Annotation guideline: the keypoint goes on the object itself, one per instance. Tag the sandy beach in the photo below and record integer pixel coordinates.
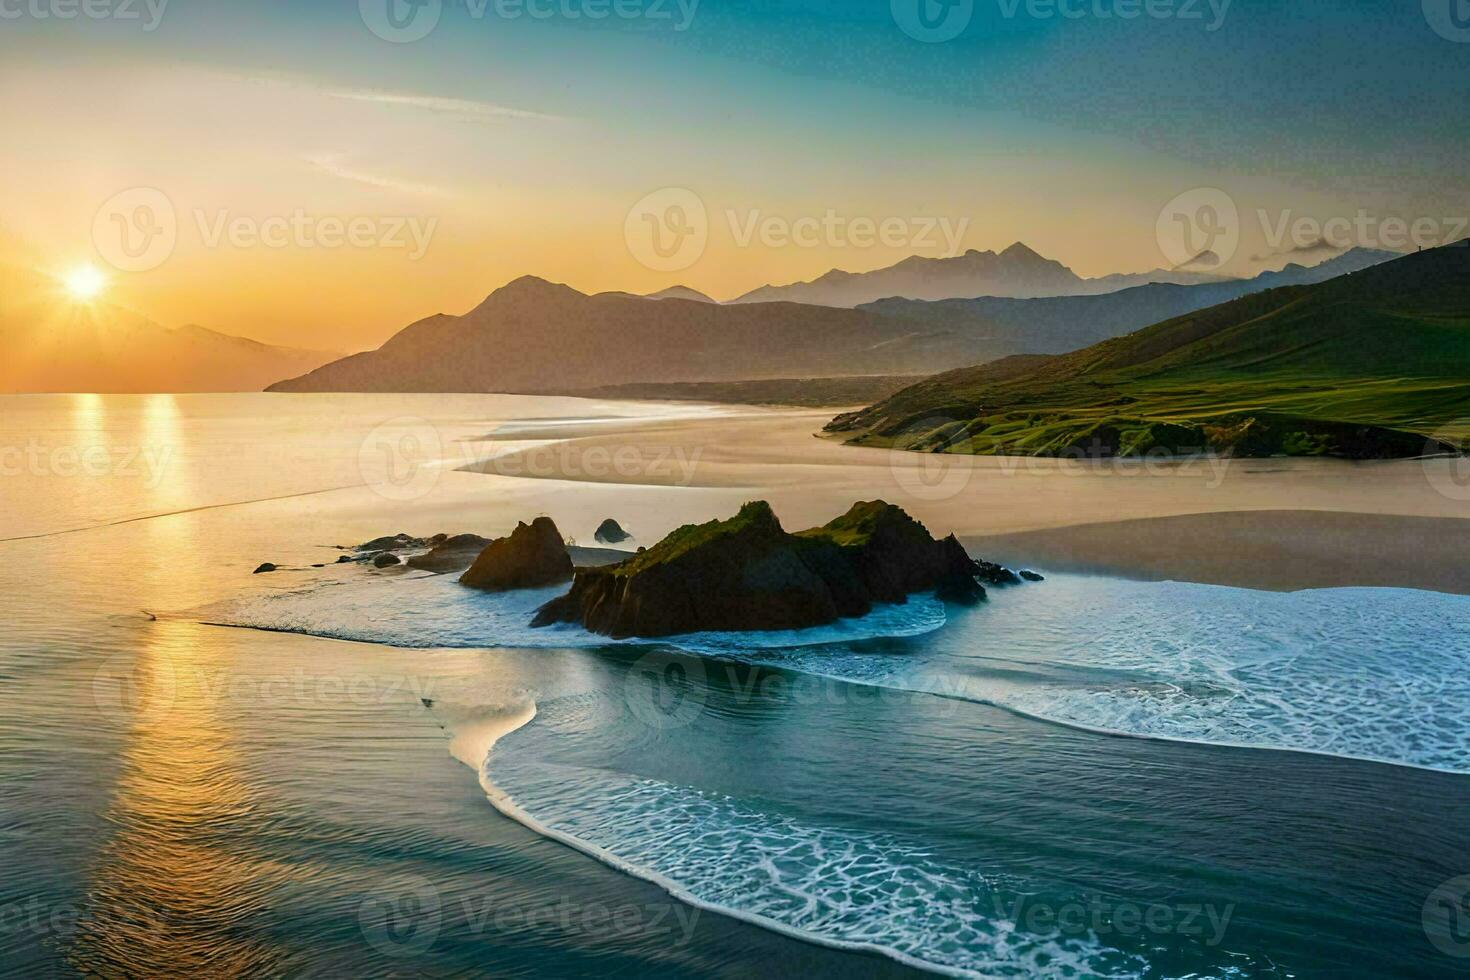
(1277, 524)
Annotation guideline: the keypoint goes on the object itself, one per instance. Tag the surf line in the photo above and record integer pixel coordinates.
(472, 741)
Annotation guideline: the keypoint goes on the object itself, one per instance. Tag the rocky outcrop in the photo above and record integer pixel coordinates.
(611, 532)
(450, 554)
(387, 560)
(747, 573)
(533, 556)
(264, 567)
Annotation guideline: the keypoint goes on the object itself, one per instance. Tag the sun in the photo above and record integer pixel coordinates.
(84, 283)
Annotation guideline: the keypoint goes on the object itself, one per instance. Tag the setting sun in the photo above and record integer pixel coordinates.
(84, 283)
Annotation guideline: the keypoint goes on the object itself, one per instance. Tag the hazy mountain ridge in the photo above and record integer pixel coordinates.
(1017, 272)
(1057, 324)
(536, 336)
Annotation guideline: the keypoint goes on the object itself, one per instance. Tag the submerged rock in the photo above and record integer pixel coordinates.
(394, 542)
(386, 559)
(611, 532)
(450, 554)
(264, 567)
(747, 573)
(532, 557)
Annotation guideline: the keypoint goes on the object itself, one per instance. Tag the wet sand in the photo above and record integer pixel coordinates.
(1276, 524)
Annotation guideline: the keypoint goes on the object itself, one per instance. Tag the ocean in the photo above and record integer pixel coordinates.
(340, 770)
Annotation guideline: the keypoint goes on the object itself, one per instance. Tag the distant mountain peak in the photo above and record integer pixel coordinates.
(680, 292)
(1020, 250)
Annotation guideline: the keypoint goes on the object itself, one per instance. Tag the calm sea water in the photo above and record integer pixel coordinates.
(389, 776)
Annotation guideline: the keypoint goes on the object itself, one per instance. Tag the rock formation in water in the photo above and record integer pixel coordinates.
(611, 532)
(533, 556)
(451, 554)
(747, 573)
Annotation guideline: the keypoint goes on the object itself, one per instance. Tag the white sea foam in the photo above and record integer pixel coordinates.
(834, 886)
(1366, 673)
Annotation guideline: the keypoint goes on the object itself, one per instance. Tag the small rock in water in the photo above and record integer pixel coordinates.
(264, 567)
(611, 532)
(1031, 576)
(384, 560)
(346, 560)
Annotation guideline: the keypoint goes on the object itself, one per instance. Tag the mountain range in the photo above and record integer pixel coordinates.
(536, 336)
(1057, 324)
(1016, 272)
(1368, 364)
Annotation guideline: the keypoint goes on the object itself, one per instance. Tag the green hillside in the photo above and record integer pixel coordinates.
(1367, 365)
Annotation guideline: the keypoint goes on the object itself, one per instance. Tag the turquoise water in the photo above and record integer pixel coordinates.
(926, 789)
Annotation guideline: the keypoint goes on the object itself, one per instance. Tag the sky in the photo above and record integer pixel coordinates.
(320, 175)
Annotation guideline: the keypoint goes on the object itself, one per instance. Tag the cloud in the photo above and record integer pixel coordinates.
(468, 110)
(1204, 260)
(1320, 247)
(328, 164)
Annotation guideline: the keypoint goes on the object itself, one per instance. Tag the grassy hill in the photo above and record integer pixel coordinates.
(1366, 365)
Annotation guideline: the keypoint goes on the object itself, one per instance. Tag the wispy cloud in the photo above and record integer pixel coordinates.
(1319, 247)
(466, 109)
(328, 164)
